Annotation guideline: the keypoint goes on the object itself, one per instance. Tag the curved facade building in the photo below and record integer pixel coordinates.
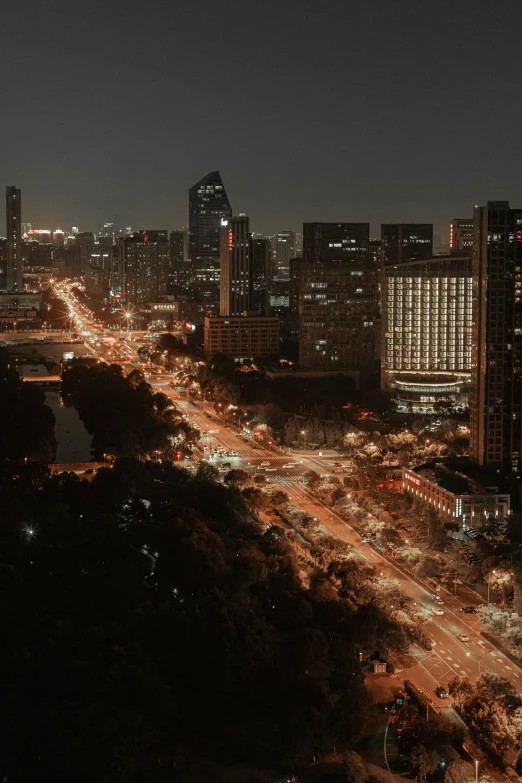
(427, 331)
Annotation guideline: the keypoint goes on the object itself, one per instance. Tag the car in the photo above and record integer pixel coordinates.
(271, 470)
(463, 637)
(289, 465)
(226, 465)
(438, 599)
(265, 464)
(468, 609)
(234, 453)
(441, 692)
(437, 611)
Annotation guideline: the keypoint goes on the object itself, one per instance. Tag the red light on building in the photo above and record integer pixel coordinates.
(413, 479)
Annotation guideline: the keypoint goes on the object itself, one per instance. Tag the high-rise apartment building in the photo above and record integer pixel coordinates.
(236, 283)
(426, 331)
(334, 297)
(496, 388)
(461, 237)
(179, 271)
(13, 228)
(144, 261)
(260, 260)
(406, 242)
(284, 251)
(208, 205)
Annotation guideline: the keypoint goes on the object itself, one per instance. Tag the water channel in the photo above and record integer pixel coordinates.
(73, 440)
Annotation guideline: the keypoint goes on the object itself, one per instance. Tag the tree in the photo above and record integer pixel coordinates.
(237, 478)
(279, 498)
(255, 498)
(423, 760)
(459, 771)
(354, 768)
(460, 689)
(313, 480)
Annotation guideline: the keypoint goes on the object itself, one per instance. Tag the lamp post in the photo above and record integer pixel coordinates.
(303, 432)
(479, 659)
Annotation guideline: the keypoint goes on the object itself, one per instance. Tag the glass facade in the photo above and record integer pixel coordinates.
(208, 205)
(406, 242)
(496, 399)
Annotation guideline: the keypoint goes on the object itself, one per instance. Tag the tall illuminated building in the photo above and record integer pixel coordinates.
(285, 250)
(140, 271)
(260, 259)
(334, 298)
(461, 236)
(208, 205)
(13, 228)
(406, 242)
(426, 331)
(236, 280)
(496, 391)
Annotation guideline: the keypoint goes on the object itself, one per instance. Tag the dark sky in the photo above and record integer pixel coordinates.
(369, 111)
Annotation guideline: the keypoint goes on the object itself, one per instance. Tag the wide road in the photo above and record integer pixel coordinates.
(450, 654)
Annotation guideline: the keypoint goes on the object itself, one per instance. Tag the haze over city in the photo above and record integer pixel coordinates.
(351, 111)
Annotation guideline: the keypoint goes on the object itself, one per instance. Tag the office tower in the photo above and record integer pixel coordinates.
(298, 244)
(58, 237)
(335, 241)
(208, 205)
(406, 242)
(145, 264)
(284, 251)
(461, 237)
(13, 228)
(242, 338)
(426, 331)
(496, 379)
(333, 292)
(236, 282)
(260, 260)
(179, 271)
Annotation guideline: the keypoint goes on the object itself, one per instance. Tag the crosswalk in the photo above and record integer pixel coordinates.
(286, 481)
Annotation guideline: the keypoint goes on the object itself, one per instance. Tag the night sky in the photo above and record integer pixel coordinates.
(370, 111)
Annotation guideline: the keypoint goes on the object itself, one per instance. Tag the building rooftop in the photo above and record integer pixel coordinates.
(454, 481)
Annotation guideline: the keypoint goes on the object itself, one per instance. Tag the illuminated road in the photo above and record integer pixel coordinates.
(450, 655)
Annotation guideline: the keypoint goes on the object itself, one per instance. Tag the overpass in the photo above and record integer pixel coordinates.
(77, 467)
(44, 380)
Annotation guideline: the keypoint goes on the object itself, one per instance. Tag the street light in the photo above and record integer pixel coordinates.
(479, 659)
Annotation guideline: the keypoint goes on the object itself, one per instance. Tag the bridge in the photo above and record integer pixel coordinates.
(77, 467)
(44, 380)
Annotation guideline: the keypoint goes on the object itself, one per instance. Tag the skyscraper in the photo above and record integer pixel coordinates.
(208, 205)
(496, 389)
(178, 273)
(335, 241)
(334, 294)
(260, 260)
(13, 227)
(406, 242)
(461, 236)
(285, 250)
(141, 273)
(236, 283)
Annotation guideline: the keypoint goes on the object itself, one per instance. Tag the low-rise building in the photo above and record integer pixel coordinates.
(455, 496)
(243, 337)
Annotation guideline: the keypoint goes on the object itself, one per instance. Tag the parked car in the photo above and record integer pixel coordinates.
(441, 692)
(468, 609)
(437, 611)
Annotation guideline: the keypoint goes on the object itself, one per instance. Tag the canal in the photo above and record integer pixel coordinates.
(73, 440)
